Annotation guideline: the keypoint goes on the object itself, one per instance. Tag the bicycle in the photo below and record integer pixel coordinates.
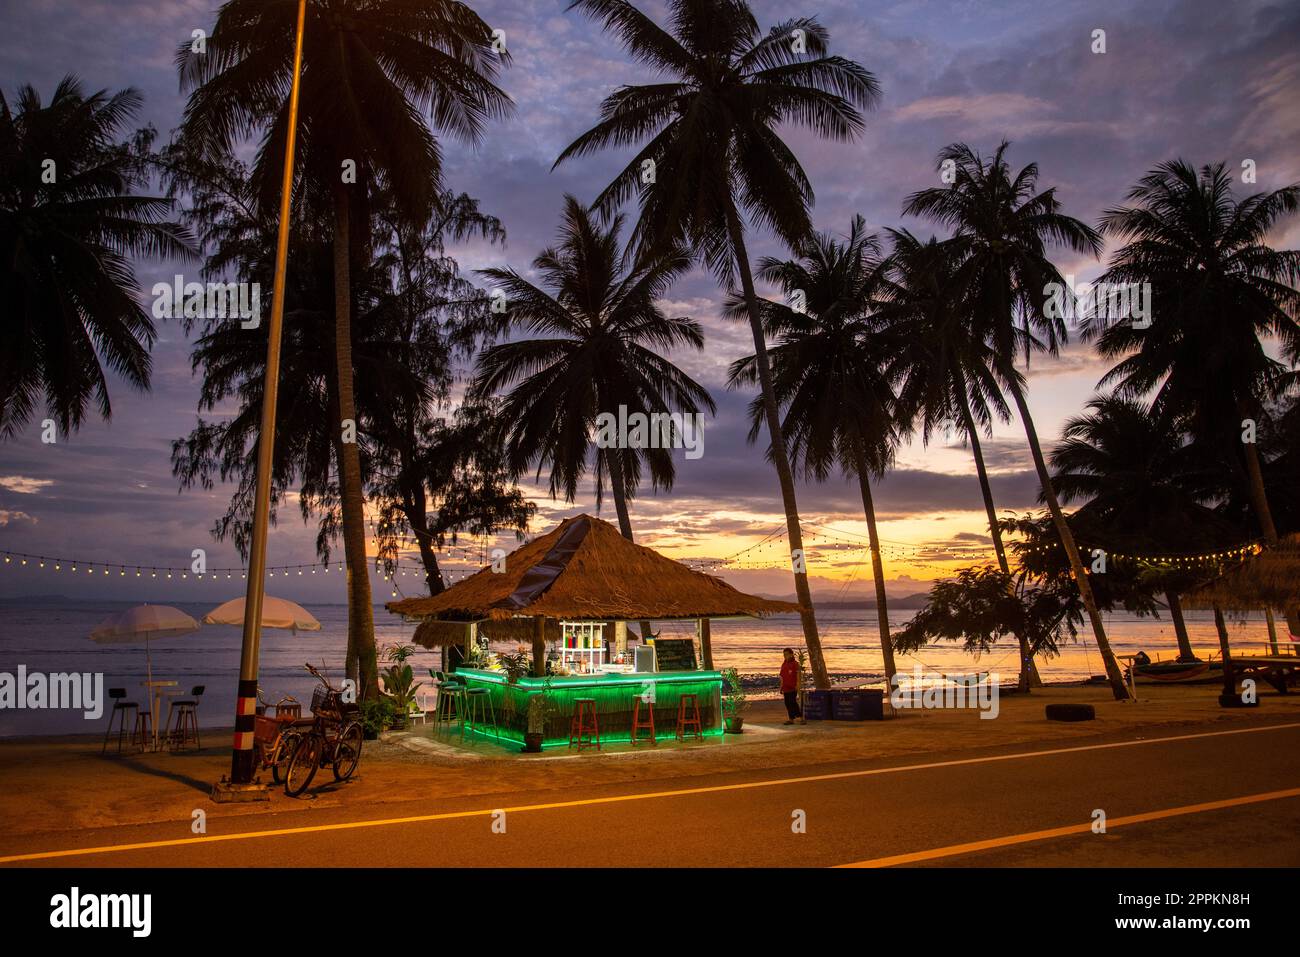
(276, 733)
(334, 739)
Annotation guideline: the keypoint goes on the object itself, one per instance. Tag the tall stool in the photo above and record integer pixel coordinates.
(688, 721)
(120, 708)
(638, 723)
(143, 735)
(478, 702)
(450, 705)
(186, 723)
(582, 732)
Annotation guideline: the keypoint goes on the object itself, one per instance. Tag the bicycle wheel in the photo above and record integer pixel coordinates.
(347, 752)
(303, 764)
(283, 754)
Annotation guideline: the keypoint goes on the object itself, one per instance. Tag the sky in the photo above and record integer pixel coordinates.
(1201, 80)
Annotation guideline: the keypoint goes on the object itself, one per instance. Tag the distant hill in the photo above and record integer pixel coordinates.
(906, 603)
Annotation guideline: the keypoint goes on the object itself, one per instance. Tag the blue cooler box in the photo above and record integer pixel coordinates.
(858, 704)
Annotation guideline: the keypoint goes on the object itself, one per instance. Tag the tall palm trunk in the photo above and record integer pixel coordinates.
(1185, 652)
(1028, 677)
(780, 456)
(1113, 675)
(877, 567)
(362, 664)
(614, 465)
(1229, 679)
(1259, 499)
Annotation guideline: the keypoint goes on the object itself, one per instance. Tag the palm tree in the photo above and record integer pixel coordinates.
(1217, 290)
(712, 148)
(434, 478)
(372, 70)
(1143, 483)
(69, 226)
(945, 369)
(830, 375)
(600, 347)
(1002, 227)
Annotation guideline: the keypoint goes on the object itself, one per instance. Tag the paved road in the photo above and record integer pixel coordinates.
(1201, 796)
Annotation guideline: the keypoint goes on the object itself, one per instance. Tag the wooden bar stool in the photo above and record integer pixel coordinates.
(143, 735)
(638, 724)
(582, 733)
(688, 721)
(120, 708)
(185, 727)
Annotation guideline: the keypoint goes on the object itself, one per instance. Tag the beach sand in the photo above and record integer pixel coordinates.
(63, 784)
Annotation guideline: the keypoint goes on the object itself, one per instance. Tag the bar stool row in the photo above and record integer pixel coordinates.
(584, 727)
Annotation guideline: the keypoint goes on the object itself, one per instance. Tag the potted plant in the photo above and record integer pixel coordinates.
(400, 686)
(734, 702)
(515, 665)
(539, 709)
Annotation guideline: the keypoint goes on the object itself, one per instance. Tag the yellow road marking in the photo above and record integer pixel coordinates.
(619, 798)
(955, 849)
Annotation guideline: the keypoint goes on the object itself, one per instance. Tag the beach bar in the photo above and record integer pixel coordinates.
(580, 591)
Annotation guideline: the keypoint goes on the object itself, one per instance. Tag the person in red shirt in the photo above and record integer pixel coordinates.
(790, 686)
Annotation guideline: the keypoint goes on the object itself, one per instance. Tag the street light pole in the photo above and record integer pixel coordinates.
(242, 757)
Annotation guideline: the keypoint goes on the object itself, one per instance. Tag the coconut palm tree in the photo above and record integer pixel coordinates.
(599, 347)
(944, 367)
(830, 373)
(1217, 291)
(69, 227)
(1002, 226)
(374, 73)
(1143, 485)
(711, 155)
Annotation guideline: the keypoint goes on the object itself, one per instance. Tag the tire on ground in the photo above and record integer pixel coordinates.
(1071, 712)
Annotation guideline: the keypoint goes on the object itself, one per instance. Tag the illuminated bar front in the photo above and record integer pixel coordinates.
(614, 694)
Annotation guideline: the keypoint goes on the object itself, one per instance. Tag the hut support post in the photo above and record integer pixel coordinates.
(539, 646)
(706, 642)
(1272, 631)
(1229, 679)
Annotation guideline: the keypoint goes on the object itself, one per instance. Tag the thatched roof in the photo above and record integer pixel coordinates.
(584, 570)
(433, 633)
(1269, 579)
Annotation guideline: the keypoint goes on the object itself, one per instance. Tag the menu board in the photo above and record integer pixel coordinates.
(675, 654)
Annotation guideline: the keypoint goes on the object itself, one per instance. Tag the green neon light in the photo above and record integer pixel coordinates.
(614, 698)
(635, 677)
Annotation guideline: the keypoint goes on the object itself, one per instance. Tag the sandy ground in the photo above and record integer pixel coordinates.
(64, 784)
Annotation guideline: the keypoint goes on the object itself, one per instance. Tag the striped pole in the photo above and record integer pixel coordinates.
(242, 757)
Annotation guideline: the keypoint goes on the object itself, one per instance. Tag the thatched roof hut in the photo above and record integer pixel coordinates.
(1268, 579)
(584, 570)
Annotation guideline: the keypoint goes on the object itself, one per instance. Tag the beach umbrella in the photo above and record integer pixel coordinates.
(276, 613)
(143, 623)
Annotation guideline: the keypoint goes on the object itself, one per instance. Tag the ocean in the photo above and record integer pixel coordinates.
(48, 635)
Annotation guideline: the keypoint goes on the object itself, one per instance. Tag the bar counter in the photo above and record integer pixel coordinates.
(614, 694)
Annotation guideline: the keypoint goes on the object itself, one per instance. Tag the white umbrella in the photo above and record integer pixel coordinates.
(143, 623)
(276, 613)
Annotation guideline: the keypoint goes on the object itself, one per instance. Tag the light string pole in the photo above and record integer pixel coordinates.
(242, 755)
